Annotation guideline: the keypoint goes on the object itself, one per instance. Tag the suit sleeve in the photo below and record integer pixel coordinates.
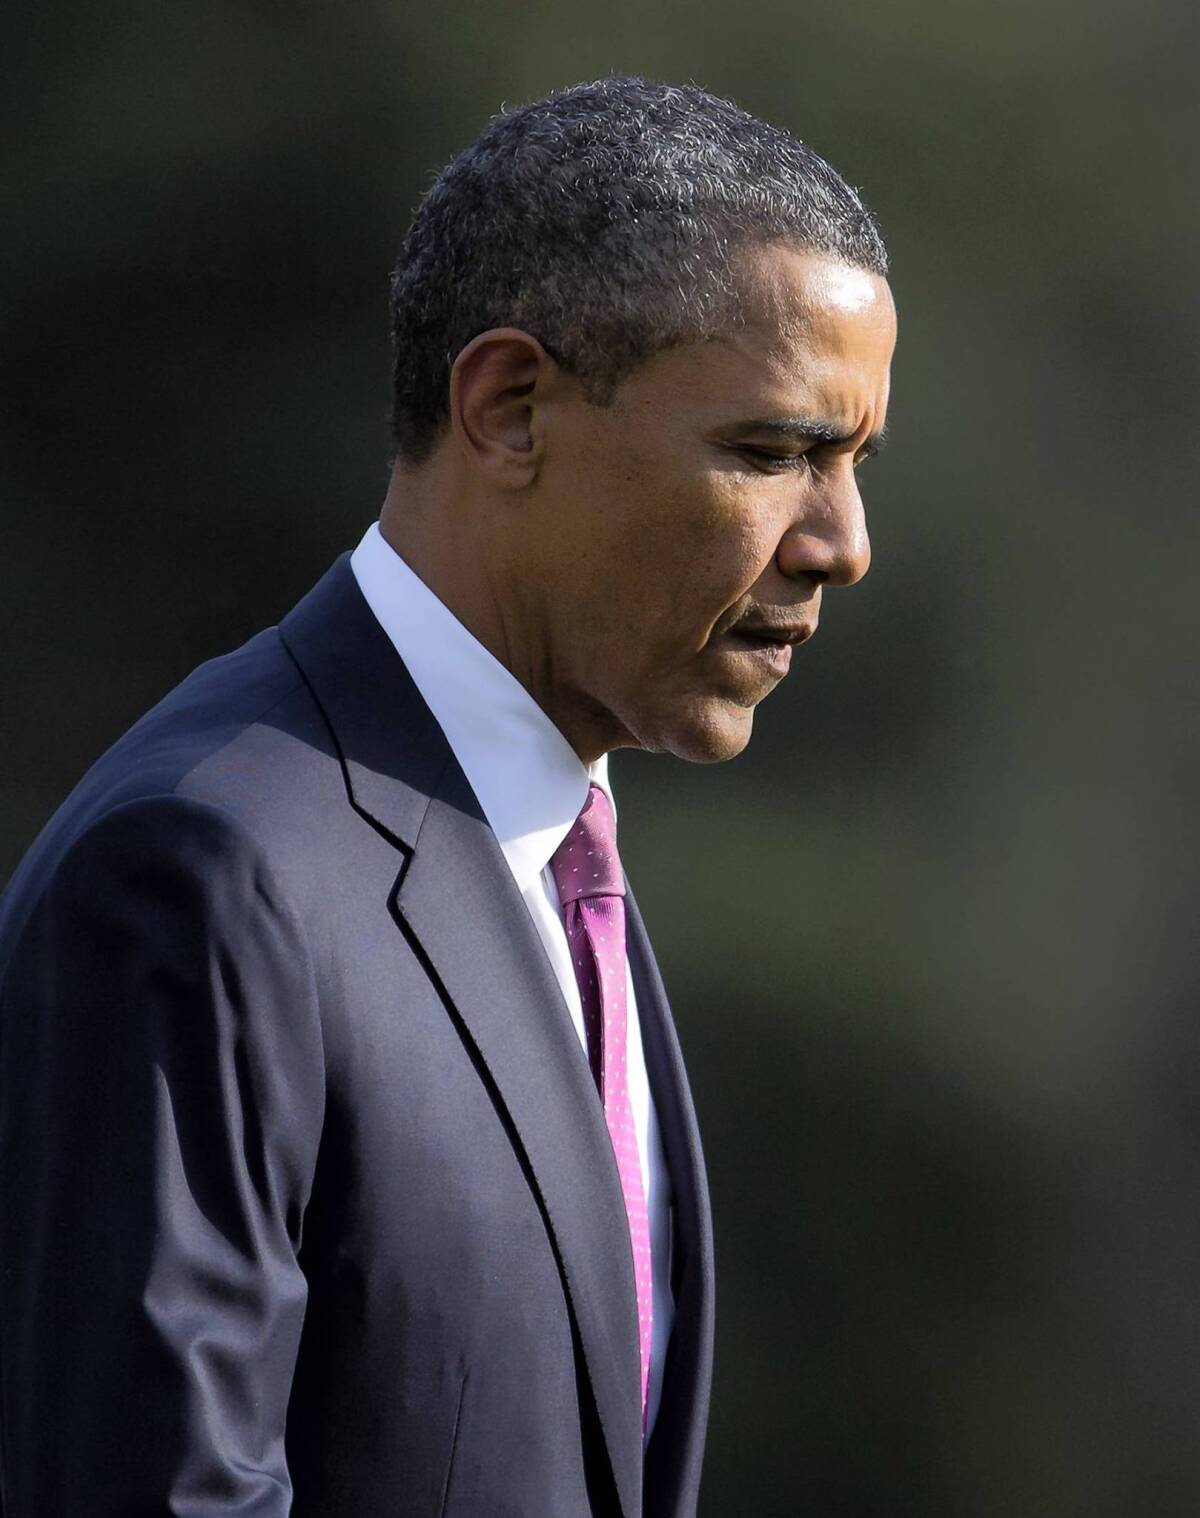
(161, 1099)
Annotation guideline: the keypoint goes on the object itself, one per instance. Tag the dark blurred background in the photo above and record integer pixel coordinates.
(935, 965)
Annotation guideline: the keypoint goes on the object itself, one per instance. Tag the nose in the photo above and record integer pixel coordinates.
(828, 539)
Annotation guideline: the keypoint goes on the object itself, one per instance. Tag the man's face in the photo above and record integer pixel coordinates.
(689, 528)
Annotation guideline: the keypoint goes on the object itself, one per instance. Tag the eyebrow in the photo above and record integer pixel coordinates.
(805, 429)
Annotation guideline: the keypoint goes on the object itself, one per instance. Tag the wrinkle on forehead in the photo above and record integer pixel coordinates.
(818, 333)
(795, 351)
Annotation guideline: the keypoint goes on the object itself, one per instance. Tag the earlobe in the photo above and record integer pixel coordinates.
(494, 392)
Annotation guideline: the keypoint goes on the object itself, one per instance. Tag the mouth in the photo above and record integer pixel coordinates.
(770, 647)
(773, 651)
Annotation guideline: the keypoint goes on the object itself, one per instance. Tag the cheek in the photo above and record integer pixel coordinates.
(725, 544)
(674, 550)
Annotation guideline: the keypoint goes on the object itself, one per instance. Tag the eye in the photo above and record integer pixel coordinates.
(771, 461)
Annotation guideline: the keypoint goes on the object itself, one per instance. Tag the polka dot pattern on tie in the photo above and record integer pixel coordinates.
(591, 887)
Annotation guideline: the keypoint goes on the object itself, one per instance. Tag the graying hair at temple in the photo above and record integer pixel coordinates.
(604, 220)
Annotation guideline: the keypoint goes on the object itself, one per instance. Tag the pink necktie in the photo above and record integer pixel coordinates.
(587, 871)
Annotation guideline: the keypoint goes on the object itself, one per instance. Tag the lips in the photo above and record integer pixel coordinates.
(773, 651)
(759, 633)
(768, 644)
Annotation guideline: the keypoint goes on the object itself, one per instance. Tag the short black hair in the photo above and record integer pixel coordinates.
(603, 220)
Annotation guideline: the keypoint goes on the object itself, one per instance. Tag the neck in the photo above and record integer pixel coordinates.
(448, 539)
(445, 548)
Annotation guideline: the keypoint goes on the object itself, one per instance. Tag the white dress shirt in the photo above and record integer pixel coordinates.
(531, 786)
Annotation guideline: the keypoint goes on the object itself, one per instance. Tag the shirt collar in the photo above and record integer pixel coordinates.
(528, 780)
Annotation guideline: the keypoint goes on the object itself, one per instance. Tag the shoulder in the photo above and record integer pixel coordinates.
(158, 882)
(202, 782)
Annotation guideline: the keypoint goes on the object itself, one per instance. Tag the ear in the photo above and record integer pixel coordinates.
(494, 389)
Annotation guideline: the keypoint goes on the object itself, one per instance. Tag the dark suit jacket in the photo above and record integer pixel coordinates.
(306, 1197)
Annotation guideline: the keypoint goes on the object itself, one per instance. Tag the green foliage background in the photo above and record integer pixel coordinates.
(931, 940)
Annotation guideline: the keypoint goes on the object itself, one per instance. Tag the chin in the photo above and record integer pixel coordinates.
(706, 733)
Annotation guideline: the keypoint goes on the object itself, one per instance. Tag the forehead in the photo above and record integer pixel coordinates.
(813, 323)
(787, 294)
(814, 338)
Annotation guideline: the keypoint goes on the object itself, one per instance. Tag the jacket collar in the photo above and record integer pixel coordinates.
(392, 751)
(529, 782)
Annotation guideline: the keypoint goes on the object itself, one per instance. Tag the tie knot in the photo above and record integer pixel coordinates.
(586, 862)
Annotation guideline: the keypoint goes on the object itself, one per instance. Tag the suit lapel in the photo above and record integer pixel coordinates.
(500, 982)
(457, 899)
(676, 1448)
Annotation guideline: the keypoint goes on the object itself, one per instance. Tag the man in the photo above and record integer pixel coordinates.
(348, 1160)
